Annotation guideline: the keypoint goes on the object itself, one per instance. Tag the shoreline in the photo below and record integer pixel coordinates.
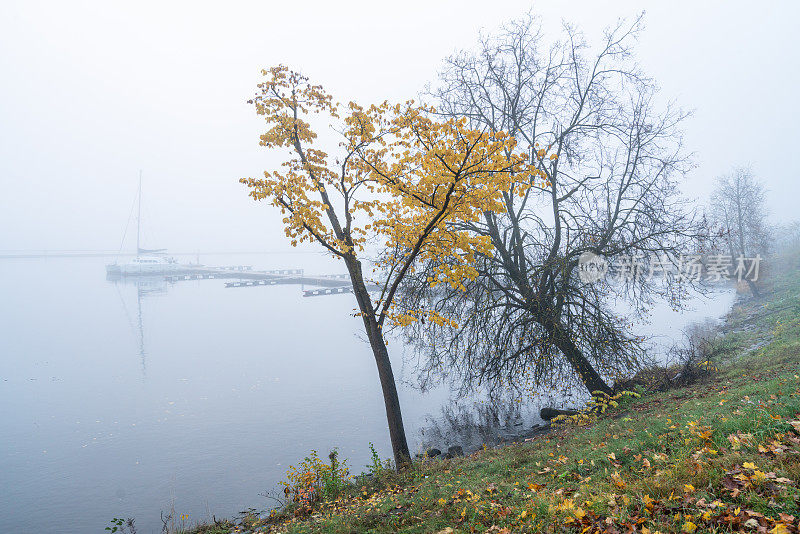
(745, 323)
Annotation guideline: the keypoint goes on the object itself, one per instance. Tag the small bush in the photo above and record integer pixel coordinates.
(123, 526)
(313, 480)
(597, 405)
(376, 466)
(693, 357)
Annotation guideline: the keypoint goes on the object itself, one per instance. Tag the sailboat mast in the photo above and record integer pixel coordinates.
(139, 216)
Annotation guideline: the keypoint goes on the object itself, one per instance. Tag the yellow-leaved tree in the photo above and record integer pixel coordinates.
(401, 179)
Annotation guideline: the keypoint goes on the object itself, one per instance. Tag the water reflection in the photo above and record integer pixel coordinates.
(501, 418)
(145, 286)
(477, 423)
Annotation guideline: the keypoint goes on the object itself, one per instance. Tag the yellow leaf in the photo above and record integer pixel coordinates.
(567, 505)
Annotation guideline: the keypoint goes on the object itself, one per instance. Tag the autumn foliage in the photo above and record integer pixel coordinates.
(399, 190)
(402, 177)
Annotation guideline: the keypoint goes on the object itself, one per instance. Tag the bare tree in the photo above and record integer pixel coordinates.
(738, 209)
(787, 236)
(612, 161)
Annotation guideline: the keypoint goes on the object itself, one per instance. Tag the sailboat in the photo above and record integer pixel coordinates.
(147, 261)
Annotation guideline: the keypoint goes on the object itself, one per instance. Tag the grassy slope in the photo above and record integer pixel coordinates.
(717, 456)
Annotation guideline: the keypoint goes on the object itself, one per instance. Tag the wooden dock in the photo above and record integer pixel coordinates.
(251, 283)
(267, 278)
(245, 276)
(327, 291)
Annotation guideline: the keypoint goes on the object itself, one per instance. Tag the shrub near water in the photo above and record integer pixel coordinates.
(313, 480)
(597, 406)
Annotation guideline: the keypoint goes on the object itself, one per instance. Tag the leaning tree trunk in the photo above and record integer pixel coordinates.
(583, 368)
(394, 417)
(753, 288)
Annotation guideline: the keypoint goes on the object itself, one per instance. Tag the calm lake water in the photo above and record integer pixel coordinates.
(125, 399)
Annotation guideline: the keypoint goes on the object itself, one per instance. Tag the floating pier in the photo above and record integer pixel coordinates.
(251, 283)
(246, 276)
(327, 291)
(287, 276)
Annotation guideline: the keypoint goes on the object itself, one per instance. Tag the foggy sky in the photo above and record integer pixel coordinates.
(92, 92)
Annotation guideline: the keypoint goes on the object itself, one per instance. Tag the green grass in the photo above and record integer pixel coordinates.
(717, 456)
